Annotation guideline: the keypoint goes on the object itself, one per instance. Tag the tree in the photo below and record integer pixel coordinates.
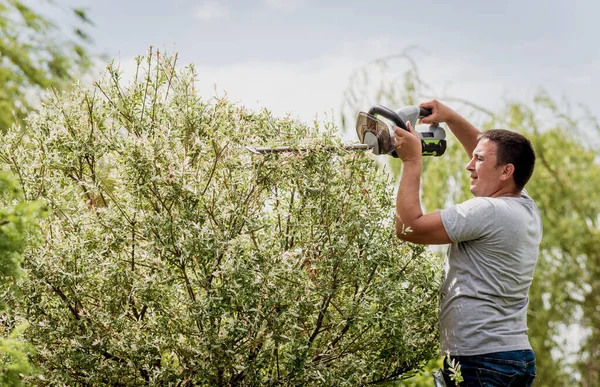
(564, 294)
(35, 55)
(16, 219)
(172, 255)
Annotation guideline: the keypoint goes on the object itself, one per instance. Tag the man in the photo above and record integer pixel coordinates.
(494, 243)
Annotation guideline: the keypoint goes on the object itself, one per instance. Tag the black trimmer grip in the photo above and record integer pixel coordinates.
(433, 147)
(379, 110)
(424, 112)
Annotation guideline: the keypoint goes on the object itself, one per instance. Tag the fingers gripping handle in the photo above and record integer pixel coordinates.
(424, 112)
(433, 141)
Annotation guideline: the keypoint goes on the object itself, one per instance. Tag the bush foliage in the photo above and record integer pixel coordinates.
(173, 256)
(17, 220)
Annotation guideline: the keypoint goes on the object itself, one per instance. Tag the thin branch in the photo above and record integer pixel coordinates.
(324, 307)
(60, 293)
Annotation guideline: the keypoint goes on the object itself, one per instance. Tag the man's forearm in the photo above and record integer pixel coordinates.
(465, 132)
(408, 203)
(411, 224)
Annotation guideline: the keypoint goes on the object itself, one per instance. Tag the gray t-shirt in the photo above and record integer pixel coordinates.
(487, 274)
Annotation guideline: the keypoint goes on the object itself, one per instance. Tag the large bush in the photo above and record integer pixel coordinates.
(173, 256)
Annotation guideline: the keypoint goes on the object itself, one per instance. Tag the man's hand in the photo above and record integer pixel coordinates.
(465, 132)
(439, 112)
(407, 144)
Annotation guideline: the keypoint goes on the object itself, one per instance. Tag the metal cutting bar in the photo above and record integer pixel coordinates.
(284, 149)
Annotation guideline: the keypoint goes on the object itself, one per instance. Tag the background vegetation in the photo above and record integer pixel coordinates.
(35, 54)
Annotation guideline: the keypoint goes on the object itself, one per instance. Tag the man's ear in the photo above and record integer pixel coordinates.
(507, 171)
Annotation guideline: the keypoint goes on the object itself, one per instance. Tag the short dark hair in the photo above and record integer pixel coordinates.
(515, 149)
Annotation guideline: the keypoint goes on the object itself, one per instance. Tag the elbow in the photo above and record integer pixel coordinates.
(399, 235)
(403, 231)
(402, 237)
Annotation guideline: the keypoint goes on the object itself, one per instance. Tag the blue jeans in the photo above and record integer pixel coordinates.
(502, 369)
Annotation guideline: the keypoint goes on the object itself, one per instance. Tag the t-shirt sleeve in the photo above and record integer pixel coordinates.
(469, 220)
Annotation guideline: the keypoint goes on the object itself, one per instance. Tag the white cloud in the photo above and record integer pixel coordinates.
(211, 10)
(307, 90)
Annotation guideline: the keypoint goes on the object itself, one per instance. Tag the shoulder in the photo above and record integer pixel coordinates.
(472, 206)
(469, 220)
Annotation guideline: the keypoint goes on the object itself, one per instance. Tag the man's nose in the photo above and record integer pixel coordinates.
(469, 165)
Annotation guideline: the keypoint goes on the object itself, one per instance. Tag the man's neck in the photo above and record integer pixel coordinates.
(507, 193)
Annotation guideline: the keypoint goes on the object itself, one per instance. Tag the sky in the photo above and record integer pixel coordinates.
(296, 56)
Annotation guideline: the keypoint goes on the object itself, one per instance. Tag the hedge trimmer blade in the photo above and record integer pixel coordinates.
(372, 132)
(288, 149)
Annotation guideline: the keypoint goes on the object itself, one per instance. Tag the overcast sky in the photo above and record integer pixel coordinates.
(295, 56)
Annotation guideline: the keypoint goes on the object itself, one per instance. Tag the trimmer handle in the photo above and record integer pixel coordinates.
(379, 110)
(393, 116)
(424, 112)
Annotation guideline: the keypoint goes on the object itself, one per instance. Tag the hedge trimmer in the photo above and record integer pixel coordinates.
(375, 134)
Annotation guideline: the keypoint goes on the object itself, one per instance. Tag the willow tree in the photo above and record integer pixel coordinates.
(174, 256)
(563, 311)
(36, 54)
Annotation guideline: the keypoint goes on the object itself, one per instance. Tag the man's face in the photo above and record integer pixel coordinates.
(485, 175)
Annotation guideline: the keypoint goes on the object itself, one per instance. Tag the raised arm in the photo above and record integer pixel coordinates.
(411, 224)
(464, 131)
